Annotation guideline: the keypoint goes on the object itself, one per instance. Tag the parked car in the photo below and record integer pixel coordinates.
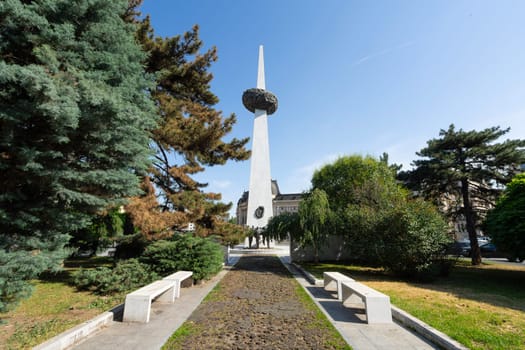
(459, 248)
(483, 240)
(515, 258)
(83, 253)
(489, 250)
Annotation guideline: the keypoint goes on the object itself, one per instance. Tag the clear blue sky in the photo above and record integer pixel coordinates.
(362, 77)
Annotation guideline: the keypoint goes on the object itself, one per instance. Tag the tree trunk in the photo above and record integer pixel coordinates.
(316, 253)
(471, 225)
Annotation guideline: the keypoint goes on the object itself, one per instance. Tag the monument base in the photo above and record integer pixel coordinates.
(262, 245)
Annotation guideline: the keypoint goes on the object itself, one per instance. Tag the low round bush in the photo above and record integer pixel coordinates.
(184, 252)
(413, 237)
(407, 239)
(126, 276)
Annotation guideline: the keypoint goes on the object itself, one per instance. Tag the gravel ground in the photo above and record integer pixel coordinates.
(258, 305)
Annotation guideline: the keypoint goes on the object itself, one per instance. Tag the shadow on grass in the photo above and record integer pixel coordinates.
(92, 262)
(492, 284)
(71, 265)
(63, 276)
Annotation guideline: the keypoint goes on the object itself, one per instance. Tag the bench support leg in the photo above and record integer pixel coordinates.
(177, 288)
(347, 296)
(137, 310)
(330, 284)
(168, 297)
(334, 285)
(378, 310)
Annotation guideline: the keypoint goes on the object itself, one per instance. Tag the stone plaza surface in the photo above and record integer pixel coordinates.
(166, 318)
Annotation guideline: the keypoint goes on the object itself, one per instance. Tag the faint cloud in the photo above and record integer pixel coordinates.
(381, 53)
(403, 153)
(300, 178)
(514, 121)
(310, 168)
(220, 184)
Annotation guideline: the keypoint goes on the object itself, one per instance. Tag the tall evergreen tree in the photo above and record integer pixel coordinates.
(470, 168)
(189, 136)
(73, 127)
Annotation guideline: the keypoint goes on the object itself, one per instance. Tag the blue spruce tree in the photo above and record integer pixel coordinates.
(74, 121)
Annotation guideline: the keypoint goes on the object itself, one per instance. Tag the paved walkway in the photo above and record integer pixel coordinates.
(166, 318)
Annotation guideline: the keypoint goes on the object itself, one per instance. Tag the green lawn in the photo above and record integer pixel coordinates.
(54, 307)
(481, 307)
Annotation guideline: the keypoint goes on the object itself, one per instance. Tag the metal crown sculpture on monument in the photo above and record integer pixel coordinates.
(256, 98)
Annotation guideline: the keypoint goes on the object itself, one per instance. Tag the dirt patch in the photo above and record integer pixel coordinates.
(257, 307)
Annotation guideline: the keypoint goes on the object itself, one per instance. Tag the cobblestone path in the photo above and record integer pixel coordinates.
(258, 305)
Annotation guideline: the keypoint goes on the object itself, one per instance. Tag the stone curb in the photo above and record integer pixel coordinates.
(76, 334)
(405, 319)
(309, 277)
(430, 333)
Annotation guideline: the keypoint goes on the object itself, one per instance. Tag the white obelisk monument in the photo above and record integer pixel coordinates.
(261, 103)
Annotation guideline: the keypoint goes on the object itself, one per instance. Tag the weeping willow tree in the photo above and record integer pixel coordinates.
(314, 215)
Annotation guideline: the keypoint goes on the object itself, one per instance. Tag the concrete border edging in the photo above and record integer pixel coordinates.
(80, 332)
(309, 277)
(430, 333)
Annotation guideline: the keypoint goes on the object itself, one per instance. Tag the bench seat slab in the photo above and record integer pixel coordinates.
(178, 277)
(332, 282)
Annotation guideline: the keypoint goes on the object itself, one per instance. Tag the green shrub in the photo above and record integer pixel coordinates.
(505, 223)
(407, 239)
(413, 237)
(163, 256)
(185, 252)
(126, 276)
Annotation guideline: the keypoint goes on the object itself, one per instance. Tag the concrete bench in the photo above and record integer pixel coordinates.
(332, 282)
(178, 277)
(137, 306)
(377, 304)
